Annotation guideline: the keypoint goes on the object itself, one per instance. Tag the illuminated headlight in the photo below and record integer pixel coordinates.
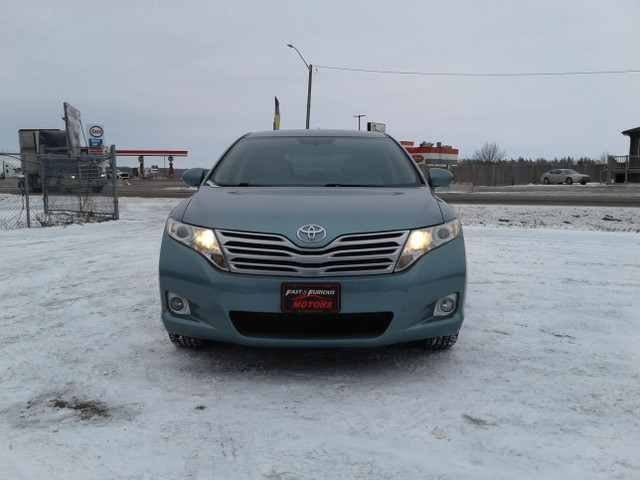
(424, 240)
(202, 240)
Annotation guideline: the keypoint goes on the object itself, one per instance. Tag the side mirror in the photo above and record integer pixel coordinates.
(194, 176)
(439, 177)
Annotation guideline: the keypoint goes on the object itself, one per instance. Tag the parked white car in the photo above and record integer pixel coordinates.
(564, 175)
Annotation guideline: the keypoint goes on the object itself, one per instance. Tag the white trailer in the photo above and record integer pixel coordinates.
(11, 169)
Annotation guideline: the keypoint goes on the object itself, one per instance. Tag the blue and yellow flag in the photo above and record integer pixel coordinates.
(276, 116)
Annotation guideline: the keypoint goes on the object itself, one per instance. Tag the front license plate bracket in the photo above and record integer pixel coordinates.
(310, 298)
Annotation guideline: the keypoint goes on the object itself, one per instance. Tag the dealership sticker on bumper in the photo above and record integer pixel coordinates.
(310, 298)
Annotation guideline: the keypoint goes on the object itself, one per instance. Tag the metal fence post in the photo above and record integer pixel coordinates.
(114, 178)
(25, 192)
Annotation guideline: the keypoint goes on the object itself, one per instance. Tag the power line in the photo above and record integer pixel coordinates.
(454, 74)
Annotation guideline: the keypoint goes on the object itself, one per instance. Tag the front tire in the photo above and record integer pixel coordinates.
(546, 181)
(185, 342)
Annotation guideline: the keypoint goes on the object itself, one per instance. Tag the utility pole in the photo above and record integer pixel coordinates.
(310, 68)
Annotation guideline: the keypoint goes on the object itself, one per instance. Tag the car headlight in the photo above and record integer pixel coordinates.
(202, 240)
(424, 240)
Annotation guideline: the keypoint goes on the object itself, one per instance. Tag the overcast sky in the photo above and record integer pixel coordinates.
(186, 75)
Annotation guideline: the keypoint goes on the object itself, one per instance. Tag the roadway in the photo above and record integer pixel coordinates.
(592, 194)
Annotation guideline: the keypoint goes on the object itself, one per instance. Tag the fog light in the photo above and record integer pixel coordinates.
(178, 304)
(446, 305)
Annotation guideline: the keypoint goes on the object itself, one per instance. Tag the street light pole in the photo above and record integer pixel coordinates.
(310, 68)
(359, 117)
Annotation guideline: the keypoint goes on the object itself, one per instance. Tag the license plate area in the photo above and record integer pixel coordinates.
(310, 298)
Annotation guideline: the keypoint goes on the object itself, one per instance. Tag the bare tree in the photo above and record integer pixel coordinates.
(489, 153)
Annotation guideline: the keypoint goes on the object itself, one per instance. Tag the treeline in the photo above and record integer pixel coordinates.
(564, 161)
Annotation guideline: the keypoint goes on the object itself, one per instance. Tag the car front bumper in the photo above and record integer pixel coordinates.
(217, 299)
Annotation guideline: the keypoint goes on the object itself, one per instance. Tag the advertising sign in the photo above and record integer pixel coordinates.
(95, 131)
(95, 136)
(298, 298)
(376, 127)
(74, 128)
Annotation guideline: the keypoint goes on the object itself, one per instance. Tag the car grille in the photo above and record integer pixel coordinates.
(270, 254)
(89, 173)
(316, 325)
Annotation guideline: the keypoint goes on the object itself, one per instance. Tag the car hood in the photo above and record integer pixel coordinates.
(337, 210)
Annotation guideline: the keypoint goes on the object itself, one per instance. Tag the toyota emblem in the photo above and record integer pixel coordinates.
(311, 233)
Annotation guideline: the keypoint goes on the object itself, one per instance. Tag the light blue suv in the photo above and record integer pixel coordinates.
(313, 238)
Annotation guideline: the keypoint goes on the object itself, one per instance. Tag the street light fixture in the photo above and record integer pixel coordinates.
(310, 68)
(359, 117)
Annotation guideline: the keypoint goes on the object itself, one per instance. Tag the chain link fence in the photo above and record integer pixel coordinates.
(45, 190)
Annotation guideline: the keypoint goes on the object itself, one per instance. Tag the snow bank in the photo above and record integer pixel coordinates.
(609, 219)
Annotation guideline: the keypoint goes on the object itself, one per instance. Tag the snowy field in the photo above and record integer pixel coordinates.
(544, 382)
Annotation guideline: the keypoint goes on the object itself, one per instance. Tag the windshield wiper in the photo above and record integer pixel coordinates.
(241, 184)
(349, 185)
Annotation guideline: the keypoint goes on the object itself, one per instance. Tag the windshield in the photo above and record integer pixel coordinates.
(315, 161)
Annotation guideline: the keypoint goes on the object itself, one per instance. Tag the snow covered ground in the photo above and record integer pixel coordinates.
(544, 382)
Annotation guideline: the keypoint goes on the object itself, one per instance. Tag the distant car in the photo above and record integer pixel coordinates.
(313, 238)
(119, 174)
(564, 175)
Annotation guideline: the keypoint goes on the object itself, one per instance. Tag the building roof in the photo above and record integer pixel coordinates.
(633, 131)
